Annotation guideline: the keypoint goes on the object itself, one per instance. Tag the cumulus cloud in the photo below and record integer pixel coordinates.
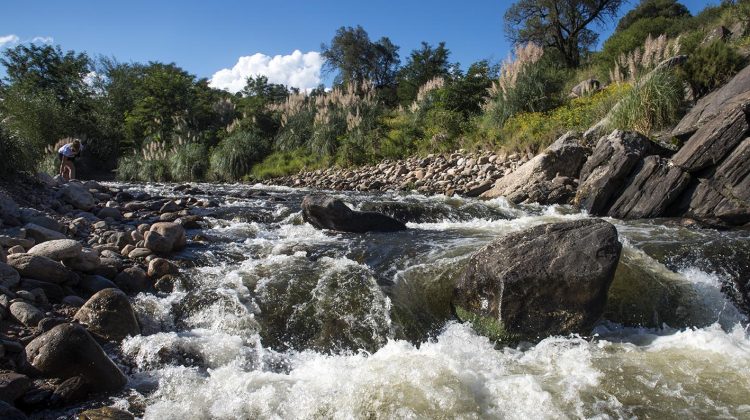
(8, 40)
(294, 70)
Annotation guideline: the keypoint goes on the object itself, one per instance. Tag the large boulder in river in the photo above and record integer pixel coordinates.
(325, 212)
(68, 350)
(38, 267)
(78, 196)
(58, 249)
(109, 315)
(547, 178)
(605, 172)
(165, 237)
(547, 280)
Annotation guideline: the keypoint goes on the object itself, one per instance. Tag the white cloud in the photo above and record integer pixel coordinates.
(43, 39)
(294, 70)
(8, 40)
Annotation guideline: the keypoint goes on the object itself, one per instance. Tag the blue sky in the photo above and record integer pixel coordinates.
(206, 36)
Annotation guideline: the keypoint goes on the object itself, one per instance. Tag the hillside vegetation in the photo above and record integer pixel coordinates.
(155, 121)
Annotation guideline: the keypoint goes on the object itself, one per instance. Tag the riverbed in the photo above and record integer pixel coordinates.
(276, 319)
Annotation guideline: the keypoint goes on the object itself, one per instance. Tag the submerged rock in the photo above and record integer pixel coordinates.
(326, 212)
(67, 350)
(547, 280)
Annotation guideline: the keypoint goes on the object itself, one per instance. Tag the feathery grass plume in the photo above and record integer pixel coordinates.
(629, 67)
(652, 103)
(523, 56)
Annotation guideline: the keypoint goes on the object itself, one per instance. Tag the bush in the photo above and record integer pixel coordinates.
(154, 170)
(189, 162)
(710, 66)
(287, 163)
(18, 155)
(532, 132)
(536, 85)
(127, 168)
(652, 103)
(235, 156)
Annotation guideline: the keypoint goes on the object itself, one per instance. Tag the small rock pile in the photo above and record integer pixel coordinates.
(463, 173)
(67, 266)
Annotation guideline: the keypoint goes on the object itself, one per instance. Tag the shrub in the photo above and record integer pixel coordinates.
(532, 82)
(287, 163)
(710, 66)
(234, 156)
(127, 168)
(531, 132)
(189, 162)
(18, 155)
(652, 103)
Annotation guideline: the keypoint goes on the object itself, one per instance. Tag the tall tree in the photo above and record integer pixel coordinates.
(424, 64)
(649, 9)
(356, 58)
(560, 25)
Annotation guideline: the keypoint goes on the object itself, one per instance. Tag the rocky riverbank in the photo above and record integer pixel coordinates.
(464, 173)
(70, 254)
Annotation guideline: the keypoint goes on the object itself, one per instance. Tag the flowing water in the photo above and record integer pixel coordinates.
(280, 320)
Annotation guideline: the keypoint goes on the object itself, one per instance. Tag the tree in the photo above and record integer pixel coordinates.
(560, 25)
(424, 64)
(649, 9)
(466, 93)
(357, 59)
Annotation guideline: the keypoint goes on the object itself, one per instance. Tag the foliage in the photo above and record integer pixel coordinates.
(654, 102)
(631, 66)
(559, 26)
(533, 131)
(424, 64)
(16, 154)
(651, 9)
(357, 59)
(287, 163)
(710, 66)
(234, 156)
(531, 82)
(189, 162)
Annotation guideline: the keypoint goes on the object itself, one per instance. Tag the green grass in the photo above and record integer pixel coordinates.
(288, 163)
(651, 104)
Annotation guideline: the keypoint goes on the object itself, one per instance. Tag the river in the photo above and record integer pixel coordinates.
(279, 320)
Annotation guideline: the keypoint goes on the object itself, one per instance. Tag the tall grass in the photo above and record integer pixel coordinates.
(234, 157)
(288, 163)
(652, 103)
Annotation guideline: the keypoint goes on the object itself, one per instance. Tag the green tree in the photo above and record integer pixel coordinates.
(559, 25)
(356, 58)
(424, 64)
(649, 9)
(466, 93)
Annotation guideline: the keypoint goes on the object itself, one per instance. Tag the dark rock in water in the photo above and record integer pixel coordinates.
(716, 139)
(547, 280)
(605, 172)
(725, 195)
(66, 351)
(654, 187)
(105, 413)
(538, 180)
(326, 212)
(8, 412)
(108, 314)
(709, 106)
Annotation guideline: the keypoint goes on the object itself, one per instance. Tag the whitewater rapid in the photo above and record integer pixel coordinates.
(280, 320)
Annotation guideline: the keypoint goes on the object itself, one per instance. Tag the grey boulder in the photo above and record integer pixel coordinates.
(547, 280)
(58, 249)
(109, 315)
(68, 350)
(39, 267)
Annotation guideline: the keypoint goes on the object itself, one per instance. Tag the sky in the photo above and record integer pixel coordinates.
(229, 40)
